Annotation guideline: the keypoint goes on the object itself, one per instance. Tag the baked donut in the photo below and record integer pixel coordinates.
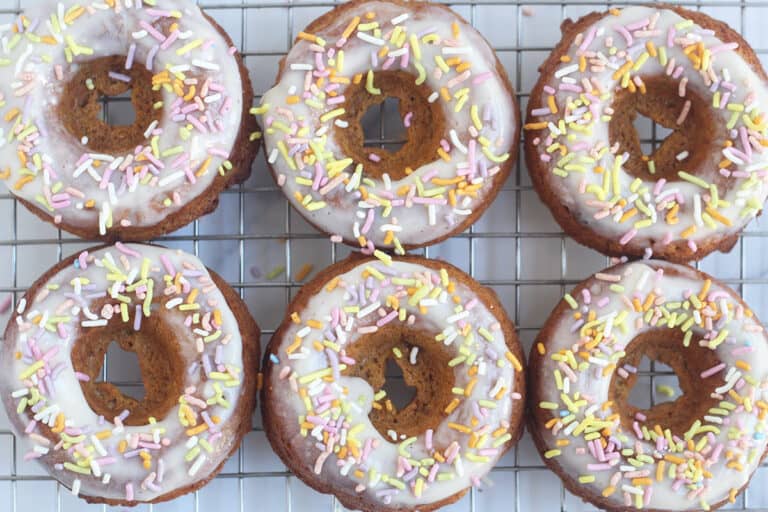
(694, 453)
(685, 71)
(190, 93)
(324, 402)
(456, 103)
(198, 350)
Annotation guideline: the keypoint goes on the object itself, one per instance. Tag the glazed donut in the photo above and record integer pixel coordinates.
(325, 407)
(188, 87)
(694, 453)
(197, 348)
(688, 73)
(456, 103)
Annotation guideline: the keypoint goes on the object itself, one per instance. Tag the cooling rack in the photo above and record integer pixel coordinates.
(265, 251)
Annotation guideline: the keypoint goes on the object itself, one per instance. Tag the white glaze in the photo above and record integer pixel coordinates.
(488, 354)
(66, 312)
(31, 68)
(741, 193)
(745, 340)
(340, 210)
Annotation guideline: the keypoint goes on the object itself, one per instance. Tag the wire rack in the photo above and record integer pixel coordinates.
(259, 245)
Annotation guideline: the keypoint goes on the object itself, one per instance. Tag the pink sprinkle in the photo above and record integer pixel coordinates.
(625, 33)
(692, 246)
(482, 77)
(168, 265)
(6, 304)
(629, 235)
(124, 249)
(588, 40)
(152, 31)
(428, 439)
(129, 57)
(368, 222)
(137, 319)
(373, 157)
(82, 260)
(407, 119)
(82, 377)
(129, 491)
(712, 371)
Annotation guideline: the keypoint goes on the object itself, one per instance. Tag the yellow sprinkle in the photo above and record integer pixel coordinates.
(369, 84)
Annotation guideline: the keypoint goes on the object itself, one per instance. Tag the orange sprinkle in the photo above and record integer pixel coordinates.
(718, 216)
(351, 27)
(452, 406)
(688, 232)
(459, 427)
(623, 69)
(674, 459)
(535, 126)
(204, 168)
(197, 430)
(22, 182)
(12, 114)
(303, 272)
(551, 104)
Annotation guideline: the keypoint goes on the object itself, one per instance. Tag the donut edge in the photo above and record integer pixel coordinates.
(498, 180)
(678, 250)
(282, 447)
(536, 416)
(249, 332)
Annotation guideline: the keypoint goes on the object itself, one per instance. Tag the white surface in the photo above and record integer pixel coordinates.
(515, 247)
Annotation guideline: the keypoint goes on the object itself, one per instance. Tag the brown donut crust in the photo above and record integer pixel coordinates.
(537, 417)
(505, 168)
(269, 406)
(242, 155)
(677, 251)
(246, 401)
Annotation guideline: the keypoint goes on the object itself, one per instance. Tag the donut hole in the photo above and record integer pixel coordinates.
(633, 397)
(415, 393)
(678, 141)
(102, 86)
(357, 135)
(383, 127)
(117, 110)
(398, 392)
(160, 364)
(122, 369)
(656, 383)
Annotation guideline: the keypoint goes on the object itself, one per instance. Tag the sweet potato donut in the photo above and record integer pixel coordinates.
(190, 93)
(456, 103)
(198, 349)
(325, 407)
(694, 453)
(696, 191)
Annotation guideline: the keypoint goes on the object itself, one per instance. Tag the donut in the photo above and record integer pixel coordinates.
(190, 93)
(324, 401)
(696, 452)
(198, 350)
(455, 101)
(689, 73)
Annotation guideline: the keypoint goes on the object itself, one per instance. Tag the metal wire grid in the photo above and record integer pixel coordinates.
(24, 239)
